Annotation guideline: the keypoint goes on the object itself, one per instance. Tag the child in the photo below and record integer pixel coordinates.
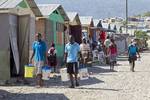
(52, 58)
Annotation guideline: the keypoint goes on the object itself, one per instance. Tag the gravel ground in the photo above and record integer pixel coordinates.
(102, 85)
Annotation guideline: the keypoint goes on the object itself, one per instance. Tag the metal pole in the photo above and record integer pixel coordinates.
(126, 16)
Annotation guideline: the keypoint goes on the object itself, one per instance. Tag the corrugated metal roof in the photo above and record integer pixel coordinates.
(2, 1)
(34, 8)
(47, 9)
(9, 3)
(86, 20)
(72, 15)
(15, 3)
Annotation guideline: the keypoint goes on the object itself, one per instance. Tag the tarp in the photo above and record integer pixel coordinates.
(23, 41)
(4, 48)
(121, 46)
(13, 40)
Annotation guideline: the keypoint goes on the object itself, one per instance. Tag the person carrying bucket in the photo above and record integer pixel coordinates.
(39, 54)
(71, 58)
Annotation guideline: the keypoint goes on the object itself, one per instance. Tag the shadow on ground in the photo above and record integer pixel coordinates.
(98, 89)
(90, 81)
(100, 69)
(56, 82)
(4, 95)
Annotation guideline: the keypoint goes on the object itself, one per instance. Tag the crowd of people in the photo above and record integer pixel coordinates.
(74, 53)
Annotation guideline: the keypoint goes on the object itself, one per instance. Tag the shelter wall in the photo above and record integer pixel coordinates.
(121, 45)
(24, 40)
(4, 47)
(76, 32)
(56, 17)
(41, 27)
(23, 4)
(45, 26)
(49, 32)
(58, 31)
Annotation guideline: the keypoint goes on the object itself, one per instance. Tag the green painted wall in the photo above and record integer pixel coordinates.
(57, 18)
(23, 4)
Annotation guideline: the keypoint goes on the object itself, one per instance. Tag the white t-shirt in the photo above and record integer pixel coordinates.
(84, 48)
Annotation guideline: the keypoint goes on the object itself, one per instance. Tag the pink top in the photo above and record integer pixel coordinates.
(112, 49)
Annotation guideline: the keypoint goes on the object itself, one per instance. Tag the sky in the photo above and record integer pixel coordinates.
(102, 8)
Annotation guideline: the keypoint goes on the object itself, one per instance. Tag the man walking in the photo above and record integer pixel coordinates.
(71, 58)
(39, 54)
(132, 52)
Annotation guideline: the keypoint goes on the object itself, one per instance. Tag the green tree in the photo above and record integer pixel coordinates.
(147, 14)
(141, 34)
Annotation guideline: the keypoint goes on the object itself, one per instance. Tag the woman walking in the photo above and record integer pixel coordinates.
(112, 51)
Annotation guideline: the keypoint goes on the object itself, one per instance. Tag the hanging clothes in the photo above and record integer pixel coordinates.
(102, 36)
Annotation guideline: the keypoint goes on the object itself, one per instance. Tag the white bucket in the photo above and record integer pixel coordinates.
(64, 74)
(83, 73)
(46, 73)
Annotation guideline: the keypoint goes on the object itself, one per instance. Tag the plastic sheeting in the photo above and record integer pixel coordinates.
(13, 40)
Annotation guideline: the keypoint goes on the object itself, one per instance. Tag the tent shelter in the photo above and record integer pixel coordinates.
(75, 26)
(121, 42)
(16, 25)
(87, 22)
(55, 17)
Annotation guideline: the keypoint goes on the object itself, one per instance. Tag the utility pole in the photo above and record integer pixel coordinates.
(126, 16)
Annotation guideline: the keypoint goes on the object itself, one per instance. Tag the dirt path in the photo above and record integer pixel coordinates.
(102, 85)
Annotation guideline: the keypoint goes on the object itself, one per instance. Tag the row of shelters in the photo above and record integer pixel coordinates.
(17, 25)
(21, 19)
